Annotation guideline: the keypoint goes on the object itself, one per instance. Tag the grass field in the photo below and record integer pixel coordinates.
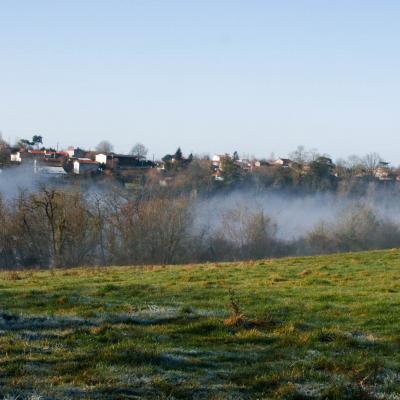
(297, 328)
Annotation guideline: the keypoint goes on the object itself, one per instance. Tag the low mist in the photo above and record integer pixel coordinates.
(295, 215)
(23, 178)
(106, 225)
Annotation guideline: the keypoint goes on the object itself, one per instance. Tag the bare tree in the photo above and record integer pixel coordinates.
(4, 151)
(49, 202)
(98, 214)
(105, 147)
(32, 236)
(251, 233)
(7, 237)
(139, 150)
(370, 163)
(350, 167)
(164, 227)
(300, 156)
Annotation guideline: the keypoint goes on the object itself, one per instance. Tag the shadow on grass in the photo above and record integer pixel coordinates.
(14, 322)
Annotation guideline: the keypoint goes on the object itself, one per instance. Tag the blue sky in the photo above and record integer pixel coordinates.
(209, 76)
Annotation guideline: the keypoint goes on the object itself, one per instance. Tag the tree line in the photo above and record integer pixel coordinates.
(55, 227)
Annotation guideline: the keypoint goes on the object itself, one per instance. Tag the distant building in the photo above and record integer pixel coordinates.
(16, 157)
(383, 172)
(218, 160)
(261, 163)
(75, 152)
(245, 165)
(282, 162)
(84, 166)
(122, 161)
(51, 171)
(102, 158)
(30, 155)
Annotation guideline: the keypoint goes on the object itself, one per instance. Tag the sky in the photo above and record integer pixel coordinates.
(211, 76)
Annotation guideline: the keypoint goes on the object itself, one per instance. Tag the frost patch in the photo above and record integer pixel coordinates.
(312, 354)
(312, 390)
(147, 316)
(23, 397)
(363, 337)
(155, 314)
(175, 359)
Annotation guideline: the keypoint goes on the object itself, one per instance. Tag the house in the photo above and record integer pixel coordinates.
(22, 155)
(75, 152)
(218, 160)
(261, 163)
(245, 165)
(27, 155)
(383, 172)
(122, 161)
(31, 155)
(83, 166)
(282, 162)
(103, 158)
(16, 157)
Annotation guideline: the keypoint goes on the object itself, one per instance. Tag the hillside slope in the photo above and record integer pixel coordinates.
(297, 328)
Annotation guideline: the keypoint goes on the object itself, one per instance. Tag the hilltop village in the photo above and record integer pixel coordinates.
(132, 170)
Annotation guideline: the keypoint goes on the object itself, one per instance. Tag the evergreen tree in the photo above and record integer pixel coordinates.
(230, 171)
(36, 140)
(178, 155)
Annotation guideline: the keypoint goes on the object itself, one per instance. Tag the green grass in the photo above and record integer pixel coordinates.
(312, 328)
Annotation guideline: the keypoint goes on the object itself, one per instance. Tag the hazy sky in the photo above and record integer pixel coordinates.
(208, 75)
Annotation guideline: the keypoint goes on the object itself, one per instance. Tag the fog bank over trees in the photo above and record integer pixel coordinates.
(70, 226)
(295, 214)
